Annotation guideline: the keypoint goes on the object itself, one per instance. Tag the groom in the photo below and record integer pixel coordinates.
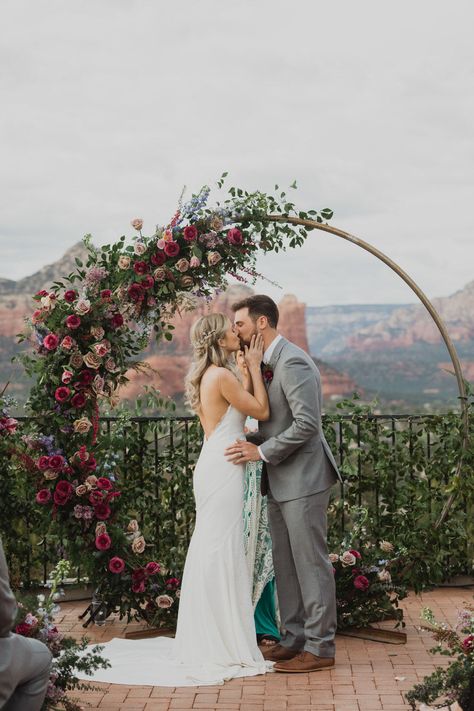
(297, 477)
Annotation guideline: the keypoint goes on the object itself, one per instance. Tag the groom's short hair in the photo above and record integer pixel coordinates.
(259, 305)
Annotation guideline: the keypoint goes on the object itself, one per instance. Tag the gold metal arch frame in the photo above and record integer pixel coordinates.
(312, 224)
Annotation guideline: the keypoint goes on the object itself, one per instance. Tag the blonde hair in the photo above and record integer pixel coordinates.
(205, 335)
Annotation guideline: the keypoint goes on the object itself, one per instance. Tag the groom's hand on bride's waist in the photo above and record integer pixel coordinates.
(241, 452)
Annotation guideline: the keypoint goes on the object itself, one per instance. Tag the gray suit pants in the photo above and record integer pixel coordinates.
(23, 684)
(303, 572)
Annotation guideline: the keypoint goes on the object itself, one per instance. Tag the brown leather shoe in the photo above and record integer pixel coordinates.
(279, 653)
(304, 662)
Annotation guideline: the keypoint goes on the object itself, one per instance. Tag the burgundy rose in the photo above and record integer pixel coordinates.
(361, 582)
(51, 341)
(234, 236)
(267, 375)
(91, 463)
(116, 565)
(116, 321)
(152, 568)
(172, 249)
(70, 295)
(468, 644)
(102, 511)
(105, 294)
(103, 542)
(61, 394)
(56, 462)
(24, 629)
(78, 400)
(138, 587)
(86, 377)
(62, 492)
(95, 497)
(43, 463)
(73, 321)
(41, 293)
(172, 583)
(104, 483)
(141, 268)
(189, 233)
(43, 496)
(147, 282)
(158, 259)
(138, 575)
(355, 553)
(136, 292)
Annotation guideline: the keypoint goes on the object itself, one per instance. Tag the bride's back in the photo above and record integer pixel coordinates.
(213, 404)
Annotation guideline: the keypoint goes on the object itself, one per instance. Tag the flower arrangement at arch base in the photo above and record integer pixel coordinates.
(88, 330)
(35, 619)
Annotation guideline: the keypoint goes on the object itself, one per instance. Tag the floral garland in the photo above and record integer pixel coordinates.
(87, 331)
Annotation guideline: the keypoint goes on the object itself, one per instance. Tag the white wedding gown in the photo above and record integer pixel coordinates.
(215, 636)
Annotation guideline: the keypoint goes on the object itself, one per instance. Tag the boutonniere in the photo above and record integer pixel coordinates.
(267, 372)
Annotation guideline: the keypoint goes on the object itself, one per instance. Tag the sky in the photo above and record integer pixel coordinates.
(109, 108)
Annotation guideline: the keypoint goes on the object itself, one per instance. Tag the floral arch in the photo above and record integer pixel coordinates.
(90, 327)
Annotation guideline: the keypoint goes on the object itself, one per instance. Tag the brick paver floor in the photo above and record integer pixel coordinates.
(368, 676)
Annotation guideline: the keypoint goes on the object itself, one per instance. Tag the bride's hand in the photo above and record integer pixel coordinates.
(254, 352)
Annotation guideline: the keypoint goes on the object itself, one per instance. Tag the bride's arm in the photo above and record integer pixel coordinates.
(252, 404)
(232, 390)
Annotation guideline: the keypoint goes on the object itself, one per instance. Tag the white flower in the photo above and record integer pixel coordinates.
(386, 546)
(384, 576)
(139, 248)
(333, 557)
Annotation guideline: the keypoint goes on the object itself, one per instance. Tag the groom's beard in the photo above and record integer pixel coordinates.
(247, 343)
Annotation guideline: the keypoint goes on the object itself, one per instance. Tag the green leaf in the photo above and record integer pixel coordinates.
(327, 213)
(79, 262)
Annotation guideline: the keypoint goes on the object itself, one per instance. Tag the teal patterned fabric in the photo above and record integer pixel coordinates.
(258, 550)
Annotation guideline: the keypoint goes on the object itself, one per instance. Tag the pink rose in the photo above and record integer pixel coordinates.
(152, 568)
(43, 496)
(361, 582)
(70, 295)
(37, 316)
(160, 274)
(213, 258)
(141, 268)
(73, 321)
(103, 542)
(195, 262)
(158, 259)
(139, 248)
(51, 341)
(83, 306)
(164, 601)
(116, 565)
(101, 348)
(137, 224)
(348, 559)
(172, 249)
(182, 265)
(190, 233)
(61, 394)
(161, 243)
(66, 377)
(67, 343)
(78, 400)
(234, 236)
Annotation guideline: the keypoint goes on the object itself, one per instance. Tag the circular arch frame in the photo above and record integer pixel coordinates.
(312, 224)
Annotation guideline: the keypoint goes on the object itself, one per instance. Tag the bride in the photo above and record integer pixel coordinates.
(215, 636)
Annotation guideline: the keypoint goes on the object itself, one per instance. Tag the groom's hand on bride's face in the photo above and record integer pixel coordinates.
(241, 452)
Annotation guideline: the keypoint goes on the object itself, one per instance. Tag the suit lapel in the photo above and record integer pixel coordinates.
(277, 352)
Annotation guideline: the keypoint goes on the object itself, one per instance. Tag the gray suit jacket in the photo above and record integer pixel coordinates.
(8, 610)
(300, 462)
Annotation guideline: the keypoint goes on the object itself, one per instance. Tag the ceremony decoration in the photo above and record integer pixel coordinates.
(454, 683)
(88, 331)
(36, 620)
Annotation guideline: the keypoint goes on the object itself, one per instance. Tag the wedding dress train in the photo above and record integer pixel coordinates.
(215, 636)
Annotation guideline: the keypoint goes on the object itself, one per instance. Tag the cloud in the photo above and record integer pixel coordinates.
(110, 107)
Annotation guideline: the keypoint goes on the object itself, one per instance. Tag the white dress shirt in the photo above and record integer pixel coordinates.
(266, 359)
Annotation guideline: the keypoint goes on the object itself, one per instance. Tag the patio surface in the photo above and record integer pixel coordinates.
(368, 676)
